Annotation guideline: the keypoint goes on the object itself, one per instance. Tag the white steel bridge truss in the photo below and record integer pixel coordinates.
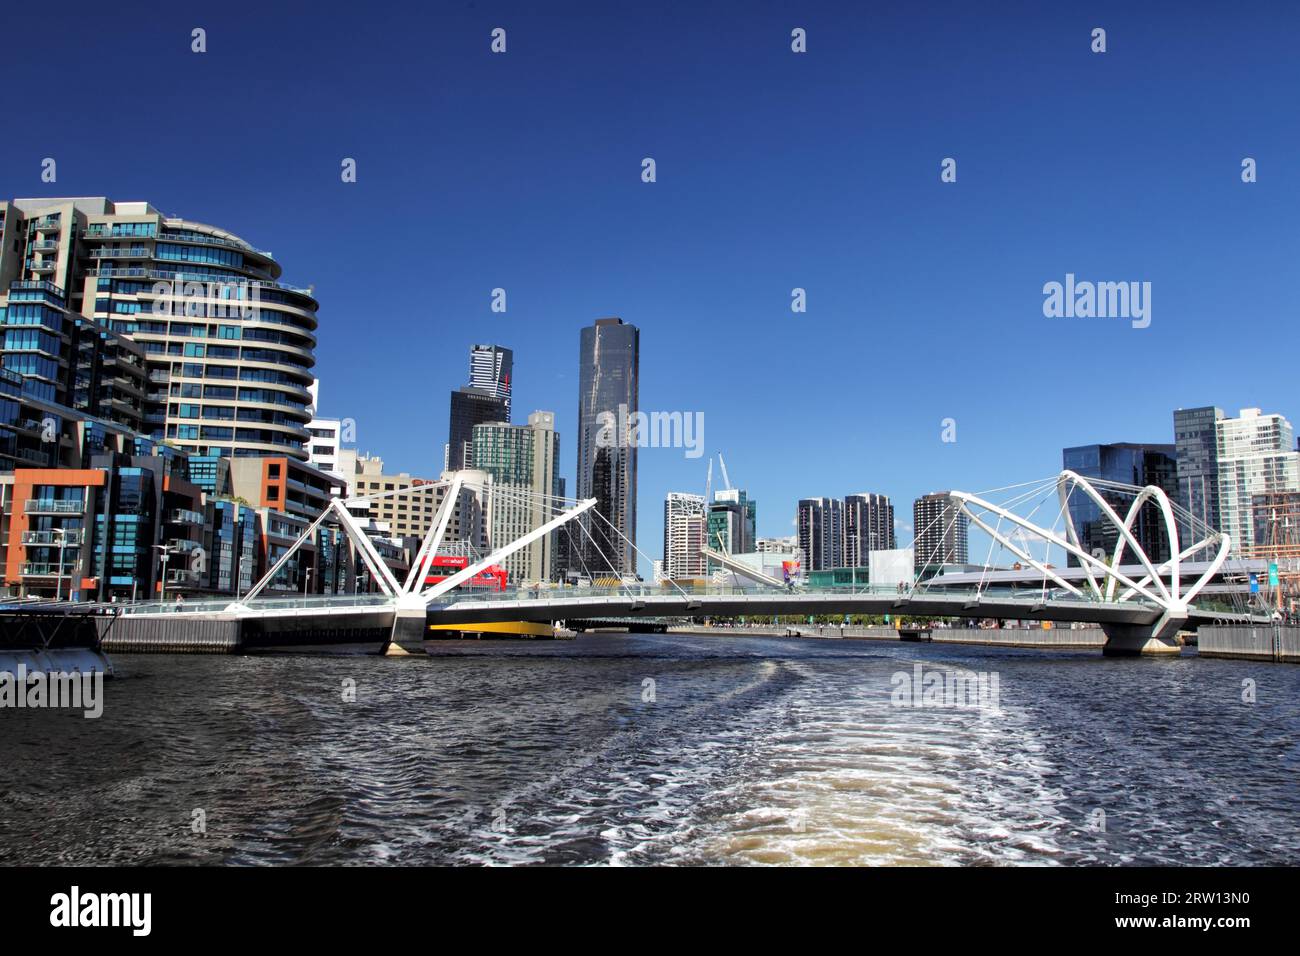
(1162, 585)
(412, 593)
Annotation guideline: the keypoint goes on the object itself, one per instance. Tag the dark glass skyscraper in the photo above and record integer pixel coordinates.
(608, 359)
(732, 522)
(1197, 452)
(470, 407)
(1130, 464)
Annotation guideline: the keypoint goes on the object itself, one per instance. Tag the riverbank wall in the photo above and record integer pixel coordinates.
(168, 635)
(1263, 643)
(1057, 637)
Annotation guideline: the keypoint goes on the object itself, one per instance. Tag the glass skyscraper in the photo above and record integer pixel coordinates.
(608, 360)
(470, 407)
(522, 460)
(1129, 464)
(492, 370)
(1257, 457)
(1196, 444)
(733, 520)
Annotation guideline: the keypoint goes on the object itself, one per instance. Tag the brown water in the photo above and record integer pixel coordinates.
(747, 751)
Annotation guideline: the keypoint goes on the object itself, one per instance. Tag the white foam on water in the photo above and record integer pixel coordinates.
(858, 781)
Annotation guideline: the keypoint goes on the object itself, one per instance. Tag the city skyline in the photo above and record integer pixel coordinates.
(690, 436)
(850, 207)
(1173, 482)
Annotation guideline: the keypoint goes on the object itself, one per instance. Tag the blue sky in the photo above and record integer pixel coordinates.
(775, 171)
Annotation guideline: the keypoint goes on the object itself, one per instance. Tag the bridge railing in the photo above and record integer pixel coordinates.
(1026, 596)
(626, 592)
(216, 605)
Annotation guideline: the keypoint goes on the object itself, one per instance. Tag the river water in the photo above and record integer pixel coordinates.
(651, 749)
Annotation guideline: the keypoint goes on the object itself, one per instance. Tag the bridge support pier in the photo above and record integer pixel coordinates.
(410, 626)
(1133, 640)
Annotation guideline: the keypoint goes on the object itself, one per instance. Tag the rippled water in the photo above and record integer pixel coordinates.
(741, 751)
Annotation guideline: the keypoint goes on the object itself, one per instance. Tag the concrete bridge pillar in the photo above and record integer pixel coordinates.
(410, 626)
(1132, 640)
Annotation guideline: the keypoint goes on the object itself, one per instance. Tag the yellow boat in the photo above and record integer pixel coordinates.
(493, 629)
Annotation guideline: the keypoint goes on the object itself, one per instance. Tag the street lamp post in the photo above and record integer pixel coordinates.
(305, 579)
(239, 577)
(166, 550)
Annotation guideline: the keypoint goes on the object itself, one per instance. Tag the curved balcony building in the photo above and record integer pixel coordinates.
(229, 347)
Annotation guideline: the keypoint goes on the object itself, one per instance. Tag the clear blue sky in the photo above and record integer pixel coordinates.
(775, 170)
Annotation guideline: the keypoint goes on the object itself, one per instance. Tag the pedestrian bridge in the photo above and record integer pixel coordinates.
(1141, 604)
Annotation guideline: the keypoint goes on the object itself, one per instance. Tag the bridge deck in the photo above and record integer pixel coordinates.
(645, 602)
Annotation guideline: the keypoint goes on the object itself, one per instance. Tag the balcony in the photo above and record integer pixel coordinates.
(135, 253)
(43, 266)
(45, 245)
(53, 506)
(71, 539)
(35, 570)
(106, 231)
(213, 241)
(139, 272)
(28, 285)
(184, 516)
(37, 458)
(48, 225)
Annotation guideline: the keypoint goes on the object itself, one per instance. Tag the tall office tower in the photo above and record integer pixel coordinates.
(229, 348)
(522, 460)
(1257, 456)
(1129, 464)
(683, 536)
(470, 407)
(868, 526)
(608, 359)
(1196, 445)
(733, 520)
(942, 532)
(491, 370)
(821, 532)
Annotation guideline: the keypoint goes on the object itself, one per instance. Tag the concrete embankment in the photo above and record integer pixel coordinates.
(1071, 637)
(168, 635)
(1261, 643)
(1086, 637)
